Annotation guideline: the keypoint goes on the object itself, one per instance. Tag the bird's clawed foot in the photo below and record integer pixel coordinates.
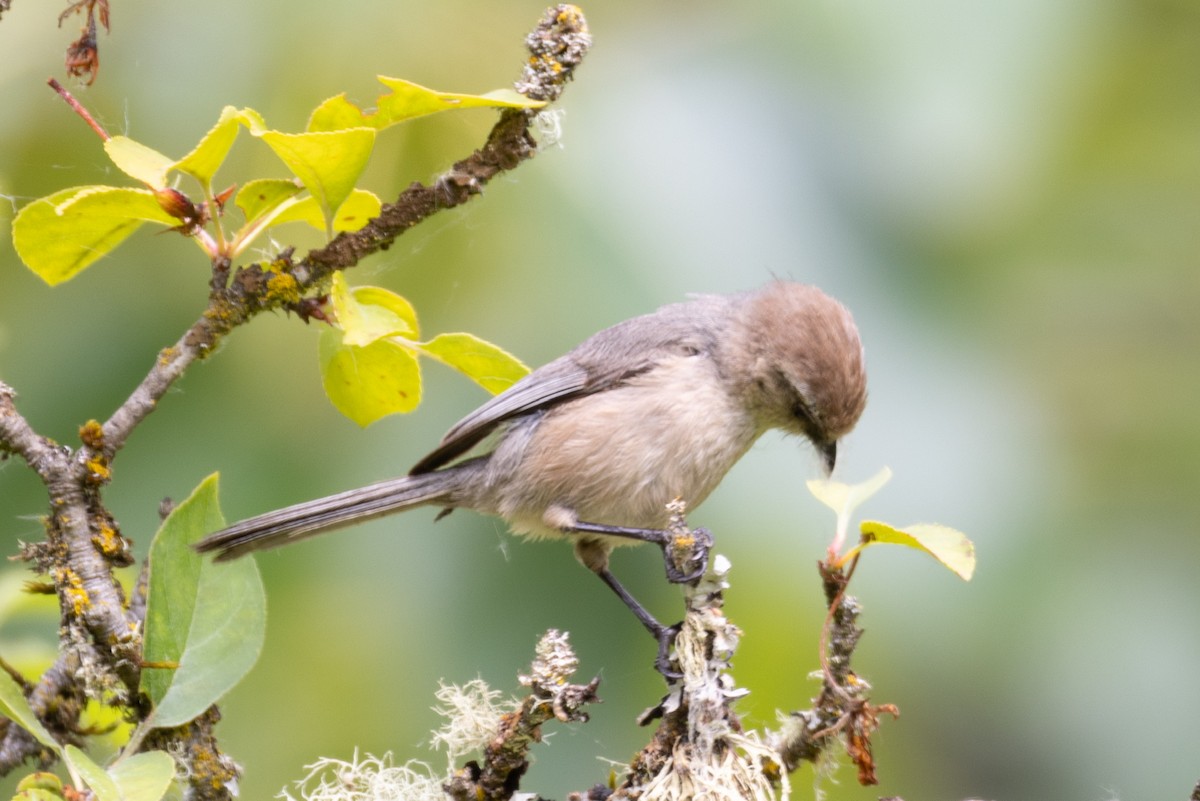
(662, 662)
(685, 554)
(685, 551)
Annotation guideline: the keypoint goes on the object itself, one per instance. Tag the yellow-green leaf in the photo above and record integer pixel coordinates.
(845, 498)
(328, 163)
(353, 214)
(208, 155)
(491, 367)
(369, 382)
(405, 101)
(262, 196)
(949, 546)
(39, 786)
(356, 210)
(60, 235)
(366, 314)
(139, 161)
(393, 304)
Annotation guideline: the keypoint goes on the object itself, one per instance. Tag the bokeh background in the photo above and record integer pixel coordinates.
(1006, 194)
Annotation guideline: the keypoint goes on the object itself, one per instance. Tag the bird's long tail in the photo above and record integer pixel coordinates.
(308, 519)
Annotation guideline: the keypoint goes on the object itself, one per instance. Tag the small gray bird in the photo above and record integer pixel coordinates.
(594, 445)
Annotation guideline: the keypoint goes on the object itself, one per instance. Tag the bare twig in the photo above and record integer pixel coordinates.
(78, 108)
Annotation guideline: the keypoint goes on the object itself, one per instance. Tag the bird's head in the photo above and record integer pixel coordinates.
(799, 360)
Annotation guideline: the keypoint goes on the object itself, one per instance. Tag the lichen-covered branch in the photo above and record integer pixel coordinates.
(842, 710)
(18, 438)
(551, 696)
(700, 749)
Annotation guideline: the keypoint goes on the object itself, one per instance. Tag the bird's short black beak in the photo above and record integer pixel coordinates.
(828, 451)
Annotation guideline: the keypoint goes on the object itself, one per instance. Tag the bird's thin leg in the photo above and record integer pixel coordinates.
(665, 635)
(677, 551)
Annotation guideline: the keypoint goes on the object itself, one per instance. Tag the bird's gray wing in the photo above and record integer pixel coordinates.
(604, 361)
(539, 389)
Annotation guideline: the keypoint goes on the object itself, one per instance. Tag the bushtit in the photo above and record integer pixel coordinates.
(594, 445)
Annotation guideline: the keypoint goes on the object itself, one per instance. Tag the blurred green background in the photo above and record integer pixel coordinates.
(1006, 194)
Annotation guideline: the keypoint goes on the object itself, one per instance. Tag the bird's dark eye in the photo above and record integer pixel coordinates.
(802, 413)
(808, 421)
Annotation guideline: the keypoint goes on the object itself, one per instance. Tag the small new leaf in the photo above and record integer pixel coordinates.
(845, 498)
(949, 546)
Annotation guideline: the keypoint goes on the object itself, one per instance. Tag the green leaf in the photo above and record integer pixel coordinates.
(208, 155)
(139, 161)
(328, 163)
(405, 101)
(368, 382)
(92, 774)
(845, 498)
(489, 366)
(949, 546)
(60, 235)
(204, 617)
(355, 212)
(143, 777)
(14, 707)
(365, 314)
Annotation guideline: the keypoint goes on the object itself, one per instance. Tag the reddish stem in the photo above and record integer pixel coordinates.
(79, 109)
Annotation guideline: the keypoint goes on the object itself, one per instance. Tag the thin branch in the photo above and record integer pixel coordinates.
(561, 38)
(18, 437)
(78, 108)
(57, 699)
(551, 696)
